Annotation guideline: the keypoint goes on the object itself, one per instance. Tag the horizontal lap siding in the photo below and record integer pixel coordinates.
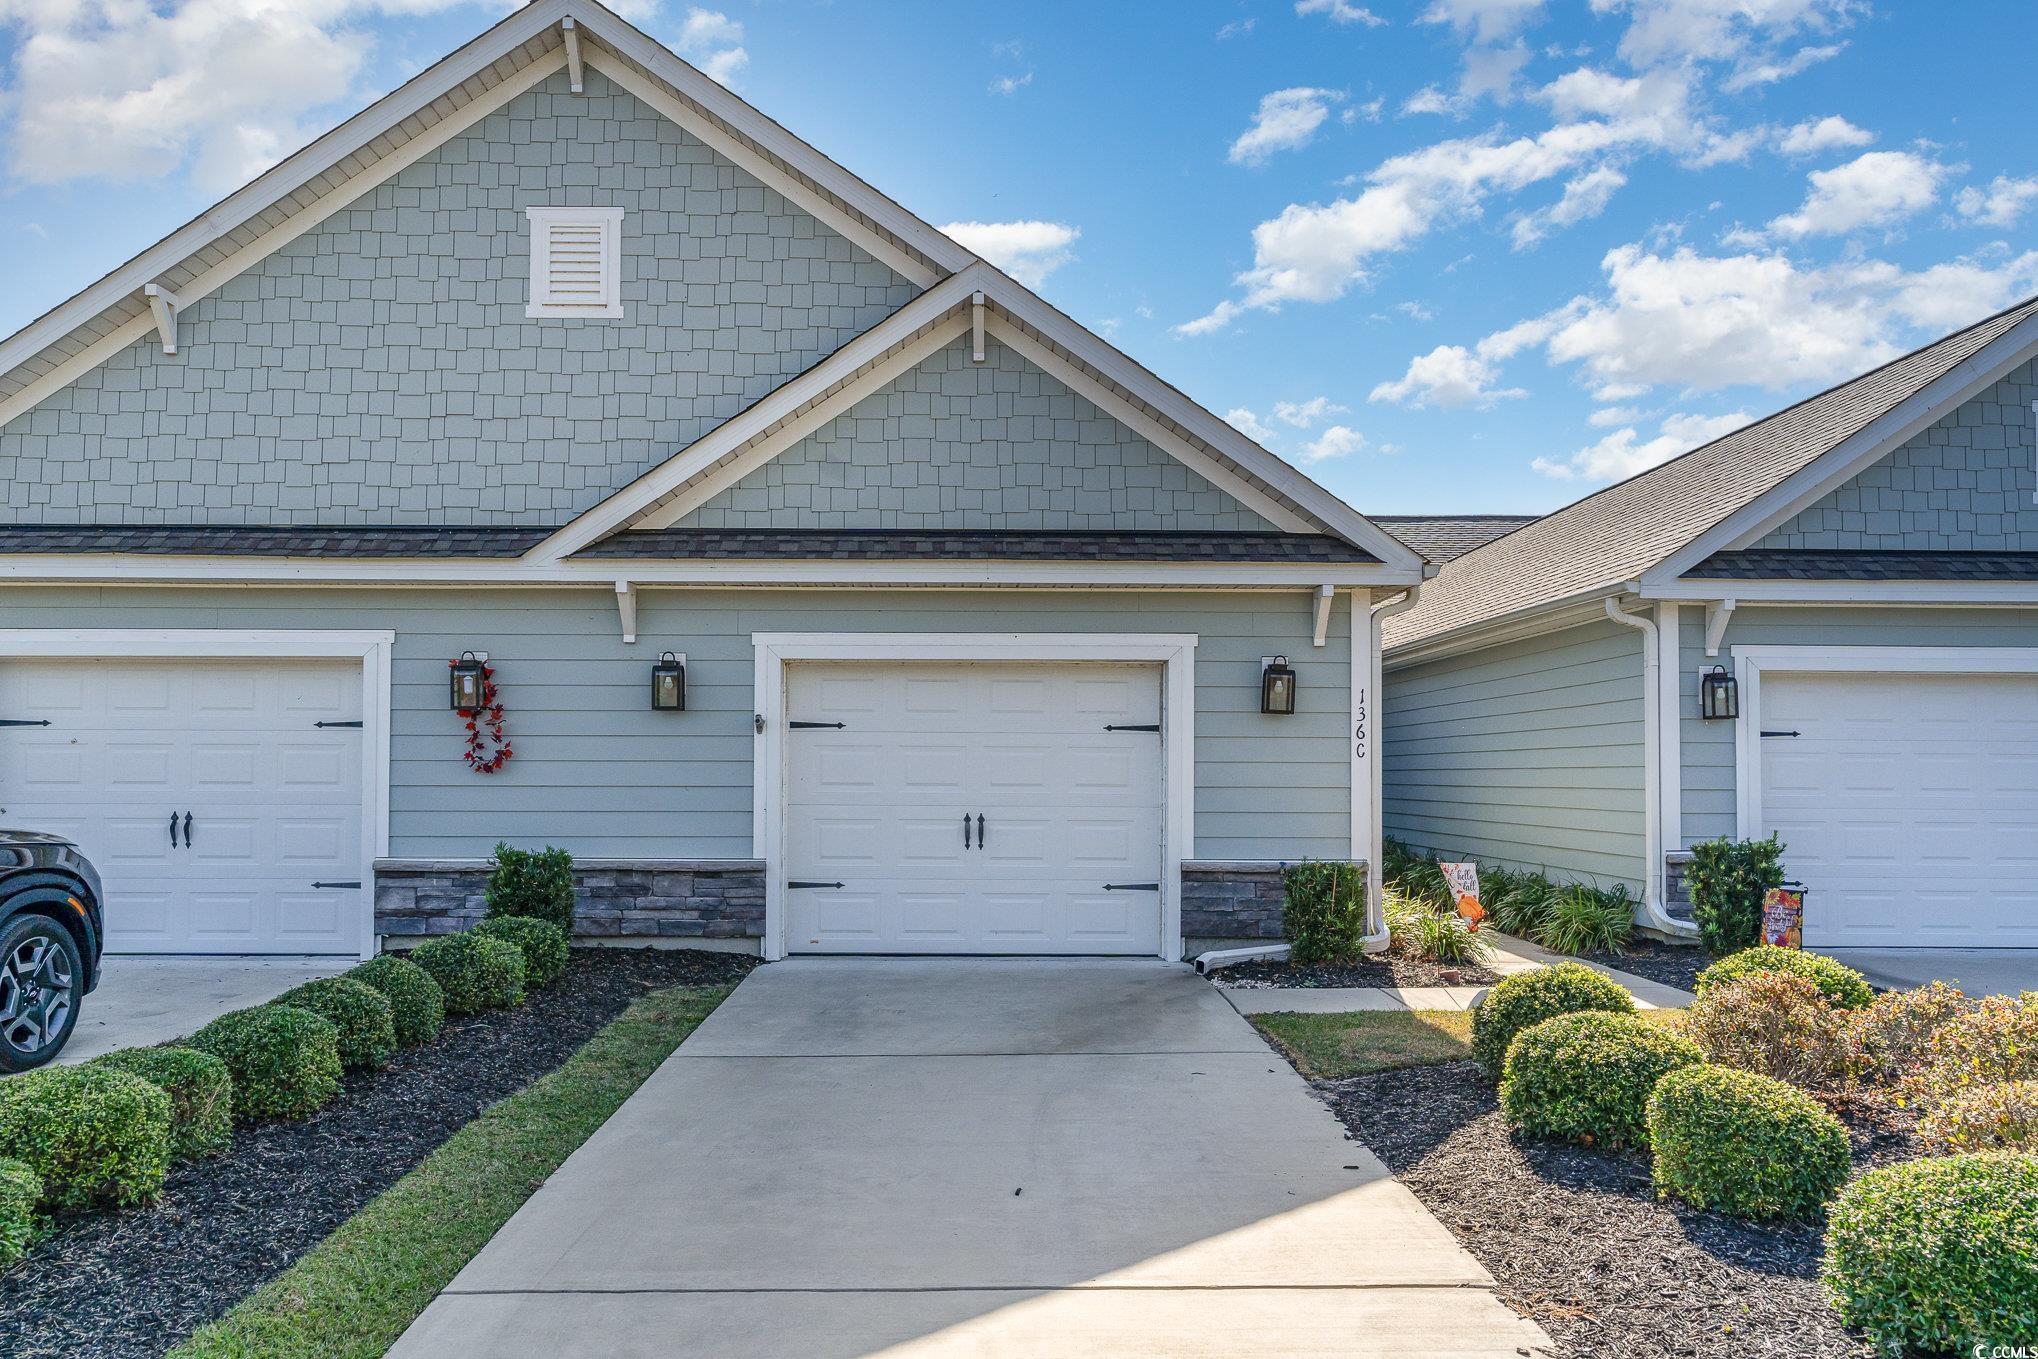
(596, 771)
(1527, 754)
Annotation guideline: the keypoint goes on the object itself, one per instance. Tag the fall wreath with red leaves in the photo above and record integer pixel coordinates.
(485, 728)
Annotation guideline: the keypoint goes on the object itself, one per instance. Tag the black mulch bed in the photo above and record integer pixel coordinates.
(138, 1282)
(1578, 1241)
(1386, 969)
(1672, 964)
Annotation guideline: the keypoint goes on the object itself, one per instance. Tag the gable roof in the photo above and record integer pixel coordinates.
(1651, 520)
(1447, 537)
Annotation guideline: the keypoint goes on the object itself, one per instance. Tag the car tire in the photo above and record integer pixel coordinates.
(42, 982)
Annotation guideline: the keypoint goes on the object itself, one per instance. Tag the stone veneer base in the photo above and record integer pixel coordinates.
(615, 898)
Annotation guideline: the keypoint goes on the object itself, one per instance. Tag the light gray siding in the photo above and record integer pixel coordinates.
(1527, 754)
(380, 368)
(961, 445)
(1964, 485)
(1708, 788)
(596, 771)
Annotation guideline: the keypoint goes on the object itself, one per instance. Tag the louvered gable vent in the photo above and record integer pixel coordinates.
(576, 261)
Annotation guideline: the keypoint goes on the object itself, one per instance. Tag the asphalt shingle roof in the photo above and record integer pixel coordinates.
(1615, 534)
(1823, 564)
(422, 540)
(1447, 537)
(975, 544)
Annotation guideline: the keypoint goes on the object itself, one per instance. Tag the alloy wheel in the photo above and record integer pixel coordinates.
(36, 989)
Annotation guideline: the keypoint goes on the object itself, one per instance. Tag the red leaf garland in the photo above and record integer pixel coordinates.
(489, 714)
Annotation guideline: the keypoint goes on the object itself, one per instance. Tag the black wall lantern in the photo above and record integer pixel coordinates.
(1719, 695)
(668, 684)
(1277, 687)
(469, 675)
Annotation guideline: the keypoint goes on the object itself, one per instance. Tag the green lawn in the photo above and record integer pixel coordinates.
(357, 1290)
(1326, 1047)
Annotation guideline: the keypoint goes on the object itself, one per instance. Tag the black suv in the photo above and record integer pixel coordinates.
(50, 932)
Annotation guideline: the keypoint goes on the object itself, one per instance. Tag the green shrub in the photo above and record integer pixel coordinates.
(1587, 1077)
(1994, 1042)
(476, 973)
(1419, 930)
(1936, 1256)
(1743, 1144)
(200, 1089)
(543, 944)
(1324, 916)
(1414, 875)
(532, 882)
(95, 1136)
(20, 1191)
(1890, 1038)
(1727, 880)
(1515, 903)
(1843, 986)
(1528, 998)
(361, 1013)
(417, 1007)
(1986, 1118)
(285, 1062)
(1775, 1024)
(1581, 919)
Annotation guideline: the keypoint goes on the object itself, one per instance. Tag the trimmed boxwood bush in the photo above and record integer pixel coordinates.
(20, 1191)
(1936, 1255)
(1528, 998)
(285, 1062)
(1587, 1077)
(1324, 912)
(1841, 984)
(95, 1136)
(476, 972)
(360, 1012)
(417, 1007)
(1743, 1144)
(1985, 1118)
(543, 944)
(532, 882)
(1727, 880)
(200, 1090)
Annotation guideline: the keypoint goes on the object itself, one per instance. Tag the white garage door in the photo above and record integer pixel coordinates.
(973, 809)
(1908, 805)
(266, 802)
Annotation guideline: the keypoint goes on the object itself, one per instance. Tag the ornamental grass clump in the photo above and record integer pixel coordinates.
(200, 1089)
(20, 1191)
(1324, 915)
(476, 972)
(417, 1007)
(1774, 1024)
(96, 1137)
(1419, 930)
(361, 1013)
(542, 942)
(1742, 1144)
(1938, 1256)
(1985, 1118)
(285, 1062)
(1581, 919)
(1528, 998)
(1841, 984)
(1587, 1077)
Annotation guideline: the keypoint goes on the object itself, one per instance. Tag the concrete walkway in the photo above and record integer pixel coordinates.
(144, 1001)
(972, 1157)
(1977, 971)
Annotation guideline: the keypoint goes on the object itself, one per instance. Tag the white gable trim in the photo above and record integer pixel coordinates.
(1874, 441)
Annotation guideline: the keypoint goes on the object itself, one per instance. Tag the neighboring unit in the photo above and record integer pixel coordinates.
(1863, 565)
(563, 356)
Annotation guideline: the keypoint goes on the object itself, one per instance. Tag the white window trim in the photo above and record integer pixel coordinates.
(610, 220)
(1175, 653)
(1749, 663)
(371, 649)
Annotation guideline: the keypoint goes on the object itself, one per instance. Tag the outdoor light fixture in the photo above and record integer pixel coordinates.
(1719, 695)
(469, 675)
(1277, 687)
(668, 684)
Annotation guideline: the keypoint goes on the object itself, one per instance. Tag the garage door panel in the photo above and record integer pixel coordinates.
(308, 915)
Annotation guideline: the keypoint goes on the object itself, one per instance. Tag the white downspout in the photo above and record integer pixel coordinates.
(1652, 912)
(1377, 940)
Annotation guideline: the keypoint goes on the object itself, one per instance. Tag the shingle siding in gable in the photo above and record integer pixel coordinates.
(961, 445)
(1964, 485)
(380, 368)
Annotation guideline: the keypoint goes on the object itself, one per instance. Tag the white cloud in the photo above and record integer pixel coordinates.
(1584, 197)
(713, 41)
(1245, 422)
(1958, 292)
(1303, 414)
(1428, 99)
(2000, 204)
(1745, 32)
(1613, 415)
(1415, 311)
(1874, 189)
(1285, 121)
(1827, 134)
(1028, 251)
(1237, 28)
(1755, 73)
(1449, 376)
(1340, 12)
(1624, 452)
(1335, 442)
(1484, 20)
(1009, 85)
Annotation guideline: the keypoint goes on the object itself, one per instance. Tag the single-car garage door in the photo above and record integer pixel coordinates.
(987, 808)
(1908, 805)
(266, 801)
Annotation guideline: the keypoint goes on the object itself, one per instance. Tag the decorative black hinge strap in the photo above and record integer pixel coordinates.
(336, 884)
(24, 721)
(809, 726)
(1132, 887)
(1143, 726)
(336, 724)
(1783, 733)
(796, 882)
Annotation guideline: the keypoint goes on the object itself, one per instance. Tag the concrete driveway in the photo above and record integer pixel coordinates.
(1977, 971)
(972, 1157)
(144, 1001)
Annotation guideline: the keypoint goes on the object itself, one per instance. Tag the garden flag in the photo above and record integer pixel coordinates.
(1463, 880)
(1783, 917)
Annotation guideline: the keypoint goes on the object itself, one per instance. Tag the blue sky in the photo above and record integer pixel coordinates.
(1474, 255)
